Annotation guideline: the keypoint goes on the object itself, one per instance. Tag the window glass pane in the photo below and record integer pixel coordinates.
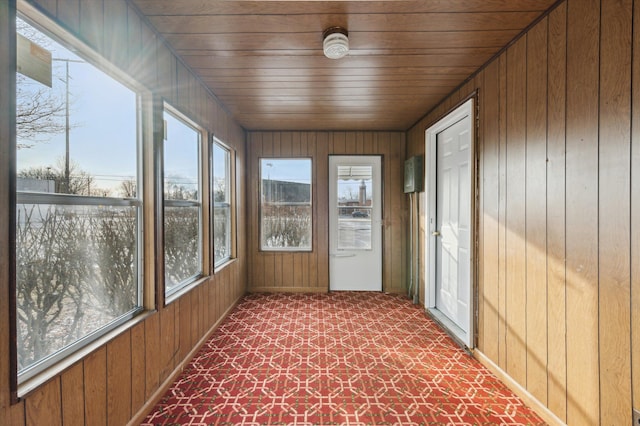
(354, 207)
(286, 204)
(182, 223)
(221, 201)
(76, 272)
(79, 135)
(221, 180)
(77, 263)
(181, 159)
(181, 245)
(221, 231)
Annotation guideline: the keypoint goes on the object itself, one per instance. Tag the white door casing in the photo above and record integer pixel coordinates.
(450, 217)
(355, 223)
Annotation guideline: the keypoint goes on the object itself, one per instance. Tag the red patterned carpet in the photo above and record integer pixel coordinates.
(340, 358)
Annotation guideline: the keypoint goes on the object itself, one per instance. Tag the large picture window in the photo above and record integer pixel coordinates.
(79, 205)
(182, 202)
(221, 196)
(285, 204)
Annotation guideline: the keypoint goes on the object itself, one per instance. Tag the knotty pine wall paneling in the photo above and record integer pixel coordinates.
(309, 271)
(117, 381)
(559, 216)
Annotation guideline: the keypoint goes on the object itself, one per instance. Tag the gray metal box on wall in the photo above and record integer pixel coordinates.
(413, 174)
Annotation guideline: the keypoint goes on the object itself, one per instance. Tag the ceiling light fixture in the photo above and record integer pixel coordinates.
(336, 42)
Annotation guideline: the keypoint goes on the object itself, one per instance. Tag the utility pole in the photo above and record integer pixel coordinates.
(66, 140)
(67, 173)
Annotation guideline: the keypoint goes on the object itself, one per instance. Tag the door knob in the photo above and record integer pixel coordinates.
(435, 233)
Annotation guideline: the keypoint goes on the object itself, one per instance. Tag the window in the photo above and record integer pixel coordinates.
(285, 210)
(182, 202)
(79, 205)
(221, 196)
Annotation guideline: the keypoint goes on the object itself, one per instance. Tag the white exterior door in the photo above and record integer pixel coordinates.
(450, 220)
(355, 218)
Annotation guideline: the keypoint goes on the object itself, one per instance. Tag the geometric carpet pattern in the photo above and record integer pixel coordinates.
(342, 358)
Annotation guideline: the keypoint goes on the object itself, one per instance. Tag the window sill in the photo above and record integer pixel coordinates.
(224, 264)
(41, 378)
(184, 290)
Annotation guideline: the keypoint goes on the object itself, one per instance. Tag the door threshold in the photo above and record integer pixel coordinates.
(452, 329)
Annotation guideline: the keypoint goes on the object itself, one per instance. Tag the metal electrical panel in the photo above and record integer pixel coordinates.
(413, 176)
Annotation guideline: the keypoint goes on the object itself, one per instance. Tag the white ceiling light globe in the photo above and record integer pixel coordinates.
(336, 45)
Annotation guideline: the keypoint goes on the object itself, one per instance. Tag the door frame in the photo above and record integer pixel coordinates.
(466, 109)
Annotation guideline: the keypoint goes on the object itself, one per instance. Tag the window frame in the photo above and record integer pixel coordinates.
(261, 204)
(189, 282)
(25, 380)
(229, 204)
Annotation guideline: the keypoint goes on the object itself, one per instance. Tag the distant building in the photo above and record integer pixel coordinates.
(35, 185)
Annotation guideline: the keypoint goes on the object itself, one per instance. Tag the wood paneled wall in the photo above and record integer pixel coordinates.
(309, 271)
(114, 382)
(558, 270)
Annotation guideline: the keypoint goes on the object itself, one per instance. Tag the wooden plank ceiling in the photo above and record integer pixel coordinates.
(264, 60)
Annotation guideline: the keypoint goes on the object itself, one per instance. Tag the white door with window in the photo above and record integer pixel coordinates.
(450, 177)
(355, 219)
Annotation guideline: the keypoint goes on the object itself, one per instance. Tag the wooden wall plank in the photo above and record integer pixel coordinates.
(72, 382)
(614, 263)
(152, 348)
(488, 330)
(116, 42)
(502, 214)
(168, 340)
(49, 6)
(322, 206)
(583, 372)
(184, 325)
(516, 279)
(69, 12)
(44, 406)
(398, 212)
(146, 66)
(556, 272)
(138, 367)
(92, 23)
(478, 220)
(95, 388)
(119, 380)
(312, 259)
(194, 308)
(536, 211)
(134, 40)
(635, 210)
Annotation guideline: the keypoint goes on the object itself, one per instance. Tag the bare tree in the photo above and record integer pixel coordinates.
(52, 267)
(114, 243)
(128, 188)
(40, 110)
(80, 182)
(39, 113)
(181, 243)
